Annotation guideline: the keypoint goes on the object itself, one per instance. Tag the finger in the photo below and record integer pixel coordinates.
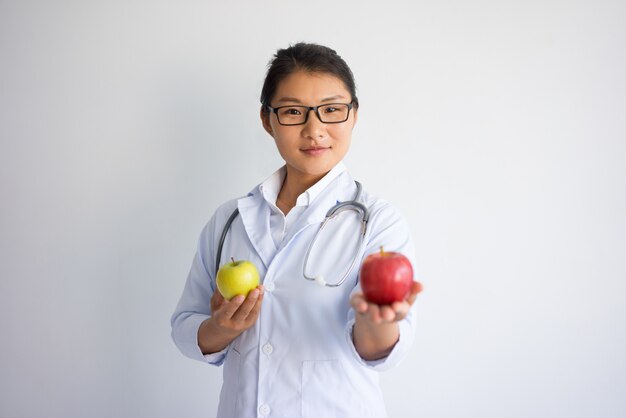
(244, 310)
(387, 314)
(230, 307)
(401, 309)
(358, 302)
(416, 287)
(217, 296)
(256, 310)
(217, 300)
(374, 313)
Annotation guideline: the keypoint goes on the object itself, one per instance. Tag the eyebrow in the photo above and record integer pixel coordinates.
(295, 100)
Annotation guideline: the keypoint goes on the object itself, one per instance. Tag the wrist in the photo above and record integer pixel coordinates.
(213, 338)
(374, 341)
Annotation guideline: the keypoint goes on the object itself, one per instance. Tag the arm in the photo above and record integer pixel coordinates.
(204, 323)
(229, 320)
(376, 329)
(381, 336)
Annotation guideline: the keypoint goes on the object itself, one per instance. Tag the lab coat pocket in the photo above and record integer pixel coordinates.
(230, 388)
(326, 391)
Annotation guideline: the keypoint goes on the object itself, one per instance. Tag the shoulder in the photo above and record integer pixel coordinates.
(226, 209)
(220, 216)
(381, 209)
(387, 227)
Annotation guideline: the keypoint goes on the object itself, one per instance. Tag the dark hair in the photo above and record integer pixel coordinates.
(307, 57)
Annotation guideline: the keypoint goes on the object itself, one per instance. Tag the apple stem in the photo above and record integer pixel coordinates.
(232, 259)
(381, 250)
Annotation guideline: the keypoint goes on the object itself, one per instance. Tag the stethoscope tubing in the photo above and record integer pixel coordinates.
(332, 212)
(220, 245)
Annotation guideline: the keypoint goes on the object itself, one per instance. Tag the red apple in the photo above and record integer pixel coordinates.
(386, 277)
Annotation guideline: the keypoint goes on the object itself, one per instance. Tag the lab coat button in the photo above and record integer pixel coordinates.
(269, 287)
(264, 410)
(268, 349)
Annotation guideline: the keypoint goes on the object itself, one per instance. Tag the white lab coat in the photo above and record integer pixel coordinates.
(298, 360)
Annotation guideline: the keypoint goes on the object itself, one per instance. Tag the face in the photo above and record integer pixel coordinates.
(313, 149)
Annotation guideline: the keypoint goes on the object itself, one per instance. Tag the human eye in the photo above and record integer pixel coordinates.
(290, 111)
(334, 113)
(335, 108)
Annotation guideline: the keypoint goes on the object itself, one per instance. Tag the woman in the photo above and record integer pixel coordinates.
(292, 348)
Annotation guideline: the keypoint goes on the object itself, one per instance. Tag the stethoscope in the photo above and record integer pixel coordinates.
(353, 204)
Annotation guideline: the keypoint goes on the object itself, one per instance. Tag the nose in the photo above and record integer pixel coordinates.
(314, 128)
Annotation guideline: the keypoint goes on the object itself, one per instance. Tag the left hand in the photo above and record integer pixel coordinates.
(379, 314)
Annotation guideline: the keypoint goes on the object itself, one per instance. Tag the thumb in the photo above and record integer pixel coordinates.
(416, 287)
(217, 300)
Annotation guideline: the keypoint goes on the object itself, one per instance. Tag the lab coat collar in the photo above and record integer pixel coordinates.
(271, 186)
(340, 189)
(255, 214)
(309, 196)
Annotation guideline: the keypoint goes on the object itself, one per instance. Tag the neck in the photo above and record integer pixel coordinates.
(294, 185)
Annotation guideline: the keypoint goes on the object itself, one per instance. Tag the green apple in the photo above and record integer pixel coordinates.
(237, 278)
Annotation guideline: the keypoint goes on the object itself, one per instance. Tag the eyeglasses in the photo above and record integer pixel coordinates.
(298, 115)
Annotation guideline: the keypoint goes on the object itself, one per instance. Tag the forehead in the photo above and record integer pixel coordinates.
(310, 87)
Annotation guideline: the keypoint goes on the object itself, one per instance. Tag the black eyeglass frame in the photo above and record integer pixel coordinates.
(308, 110)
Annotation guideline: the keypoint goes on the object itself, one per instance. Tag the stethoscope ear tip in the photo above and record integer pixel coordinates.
(320, 280)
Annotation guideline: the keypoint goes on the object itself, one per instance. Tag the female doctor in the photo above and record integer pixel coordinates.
(292, 348)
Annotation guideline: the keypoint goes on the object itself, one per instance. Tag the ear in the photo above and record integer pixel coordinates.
(265, 120)
(355, 116)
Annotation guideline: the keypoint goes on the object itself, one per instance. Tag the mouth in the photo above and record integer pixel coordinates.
(314, 150)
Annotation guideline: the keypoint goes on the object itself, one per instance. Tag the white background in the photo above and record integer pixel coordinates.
(497, 127)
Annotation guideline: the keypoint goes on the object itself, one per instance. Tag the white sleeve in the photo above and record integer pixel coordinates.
(194, 305)
(389, 229)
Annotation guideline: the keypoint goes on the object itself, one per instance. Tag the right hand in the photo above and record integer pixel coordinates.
(238, 314)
